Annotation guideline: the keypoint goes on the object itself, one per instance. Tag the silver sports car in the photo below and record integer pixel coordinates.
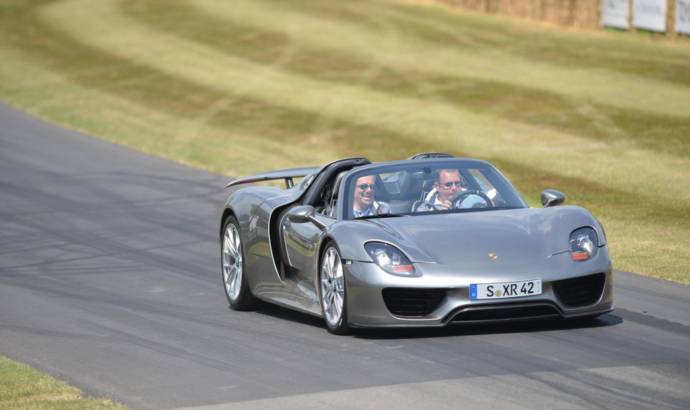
(431, 240)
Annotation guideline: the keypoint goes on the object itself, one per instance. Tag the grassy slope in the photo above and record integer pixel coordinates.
(21, 387)
(243, 86)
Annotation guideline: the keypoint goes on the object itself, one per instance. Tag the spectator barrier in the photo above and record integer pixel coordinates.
(669, 16)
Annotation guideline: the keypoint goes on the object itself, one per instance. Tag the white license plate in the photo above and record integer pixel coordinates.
(505, 289)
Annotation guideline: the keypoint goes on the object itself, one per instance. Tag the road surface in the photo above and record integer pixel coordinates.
(109, 279)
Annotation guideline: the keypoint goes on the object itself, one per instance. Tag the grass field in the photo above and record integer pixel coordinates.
(248, 85)
(21, 387)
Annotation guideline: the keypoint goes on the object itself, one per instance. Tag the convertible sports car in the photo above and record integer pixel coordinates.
(431, 240)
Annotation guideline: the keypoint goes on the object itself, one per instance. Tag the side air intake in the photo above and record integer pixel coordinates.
(579, 292)
(412, 302)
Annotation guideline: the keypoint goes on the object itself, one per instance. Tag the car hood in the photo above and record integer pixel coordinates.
(513, 237)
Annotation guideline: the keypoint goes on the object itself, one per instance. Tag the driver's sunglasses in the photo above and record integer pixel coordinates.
(364, 187)
(451, 183)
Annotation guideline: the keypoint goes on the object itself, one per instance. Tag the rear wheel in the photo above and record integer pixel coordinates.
(232, 268)
(333, 291)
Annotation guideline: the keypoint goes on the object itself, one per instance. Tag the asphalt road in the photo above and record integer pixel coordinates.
(109, 279)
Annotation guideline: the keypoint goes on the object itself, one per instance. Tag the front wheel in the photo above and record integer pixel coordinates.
(333, 292)
(232, 268)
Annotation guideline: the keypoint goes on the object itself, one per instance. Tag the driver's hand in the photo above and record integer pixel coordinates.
(445, 204)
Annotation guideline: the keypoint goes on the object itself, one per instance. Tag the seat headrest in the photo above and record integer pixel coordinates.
(381, 191)
(428, 185)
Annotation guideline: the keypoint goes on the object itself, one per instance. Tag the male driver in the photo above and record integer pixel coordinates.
(446, 187)
(364, 203)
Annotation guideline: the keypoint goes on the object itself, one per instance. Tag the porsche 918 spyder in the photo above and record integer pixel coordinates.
(432, 240)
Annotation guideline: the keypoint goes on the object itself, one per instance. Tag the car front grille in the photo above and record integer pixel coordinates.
(582, 291)
(412, 302)
(504, 312)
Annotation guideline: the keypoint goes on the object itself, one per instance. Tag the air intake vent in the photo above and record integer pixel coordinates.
(578, 292)
(412, 302)
(483, 313)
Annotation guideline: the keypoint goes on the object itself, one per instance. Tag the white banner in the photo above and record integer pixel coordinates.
(650, 14)
(683, 16)
(614, 13)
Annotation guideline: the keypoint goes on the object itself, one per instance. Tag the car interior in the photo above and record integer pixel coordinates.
(402, 190)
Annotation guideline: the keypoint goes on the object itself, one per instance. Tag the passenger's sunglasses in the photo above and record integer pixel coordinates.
(364, 187)
(451, 183)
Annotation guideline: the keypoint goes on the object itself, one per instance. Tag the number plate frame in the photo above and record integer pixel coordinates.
(497, 290)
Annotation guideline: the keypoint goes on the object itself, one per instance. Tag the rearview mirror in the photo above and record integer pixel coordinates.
(301, 214)
(551, 197)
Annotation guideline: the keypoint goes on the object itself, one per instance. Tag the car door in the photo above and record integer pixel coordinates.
(301, 240)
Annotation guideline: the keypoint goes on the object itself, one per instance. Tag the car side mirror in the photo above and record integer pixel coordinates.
(551, 197)
(301, 214)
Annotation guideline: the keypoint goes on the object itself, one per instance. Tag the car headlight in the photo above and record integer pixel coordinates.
(390, 259)
(583, 244)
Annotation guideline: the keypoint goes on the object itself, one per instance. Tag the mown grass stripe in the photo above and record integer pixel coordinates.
(460, 130)
(586, 50)
(517, 103)
(150, 36)
(141, 84)
(321, 24)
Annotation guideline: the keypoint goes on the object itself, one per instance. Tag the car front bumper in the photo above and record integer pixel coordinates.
(367, 307)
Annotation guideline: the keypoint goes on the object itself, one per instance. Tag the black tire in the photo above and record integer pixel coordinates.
(333, 289)
(238, 294)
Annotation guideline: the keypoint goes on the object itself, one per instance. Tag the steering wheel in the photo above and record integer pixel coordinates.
(460, 198)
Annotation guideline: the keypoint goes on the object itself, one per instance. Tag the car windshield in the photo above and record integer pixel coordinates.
(418, 188)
